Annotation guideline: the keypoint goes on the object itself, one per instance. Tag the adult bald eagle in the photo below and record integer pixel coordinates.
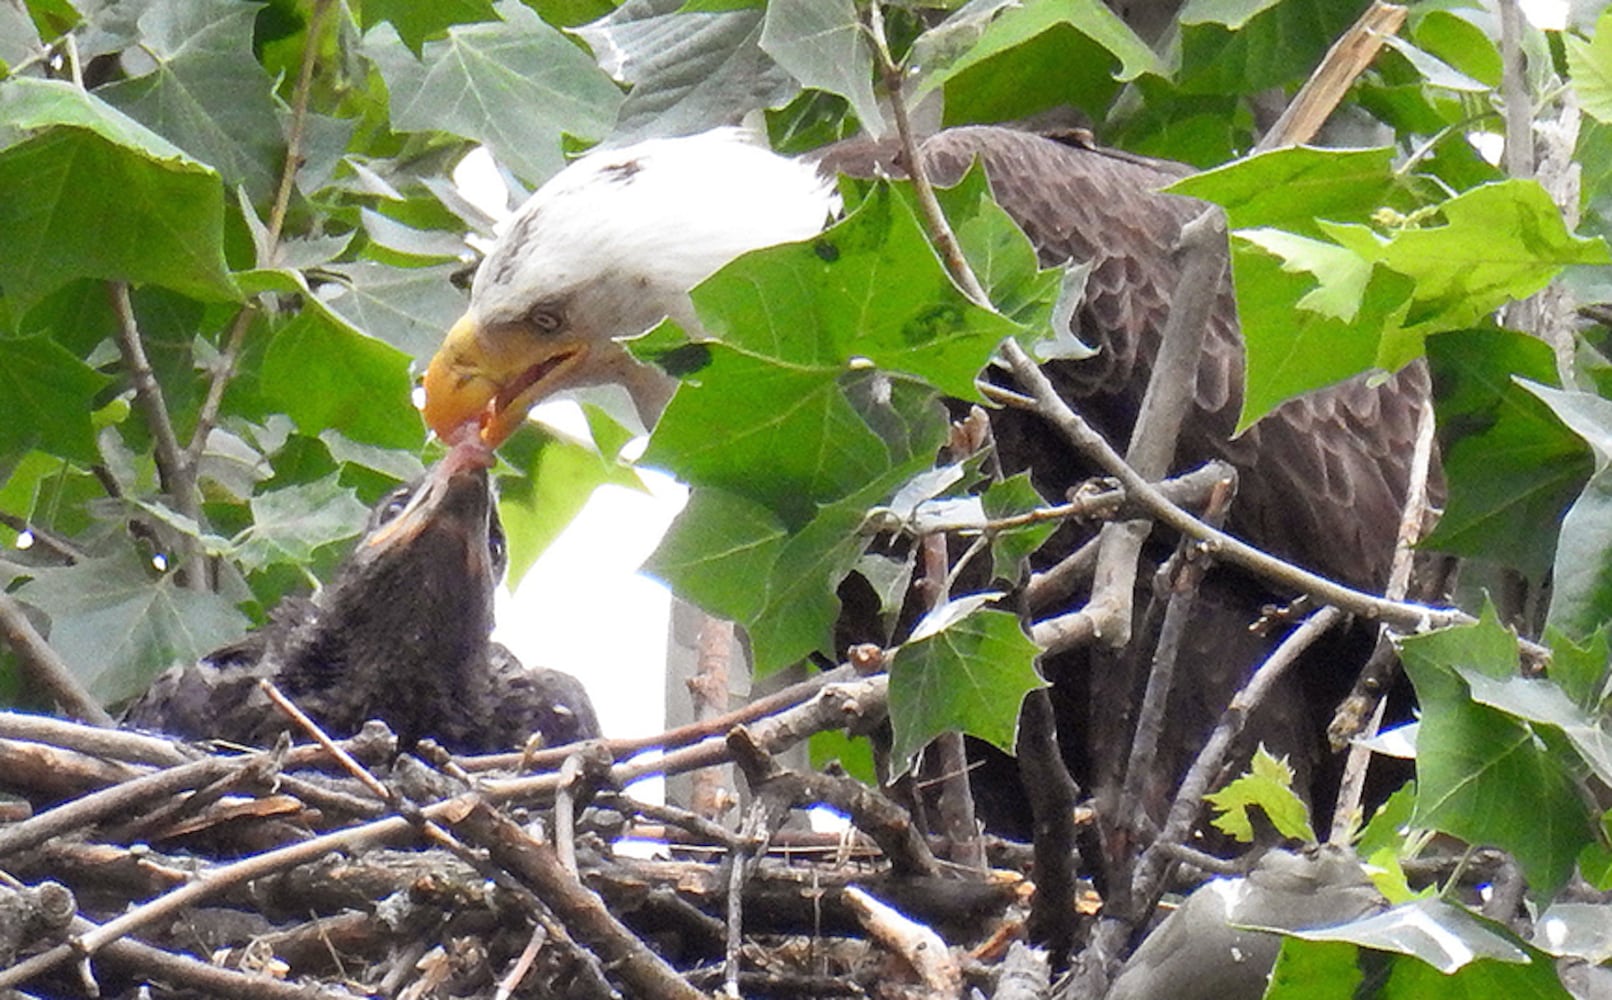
(613, 243)
(400, 635)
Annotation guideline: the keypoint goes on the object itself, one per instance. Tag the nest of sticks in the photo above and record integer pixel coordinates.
(132, 865)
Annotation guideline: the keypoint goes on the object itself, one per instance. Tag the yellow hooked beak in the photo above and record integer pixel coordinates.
(491, 375)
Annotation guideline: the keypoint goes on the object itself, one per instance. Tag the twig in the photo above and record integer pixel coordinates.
(565, 813)
(1519, 149)
(48, 540)
(1170, 394)
(1053, 795)
(940, 231)
(45, 667)
(1346, 60)
(1411, 520)
(1190, 490)
(177, 475)
(679, 736)
(1227, 548)
(235, 340)
(919, 946)
(112, 744)
(751, 845)
(1150, 716)
(639, 969)
(299, 120)
(206, 979)
(510, 983)
(889, 825)
(709, 691)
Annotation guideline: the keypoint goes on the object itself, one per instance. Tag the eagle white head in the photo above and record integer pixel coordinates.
(603, 251)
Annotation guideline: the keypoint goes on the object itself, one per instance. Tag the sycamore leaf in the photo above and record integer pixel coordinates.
(1011, 548)
(94, 194)
(1339, 970)
(513, 85)
(1267, 784)
(967, 672)
(117, 622)
(410, 308)
(689, 70)
(49, 397)
(556, 476)
(1470, 755)
(289, 523)
(206, 92)
(1035, 56)
(1581, 593)
(417, 22)
(1289, 189)
(822, 42)
(325, 375)
(868, 288)
(1512, 467)
(1498, 243)
(1589, 63)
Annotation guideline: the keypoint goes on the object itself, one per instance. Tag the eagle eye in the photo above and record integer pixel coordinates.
(546, 319)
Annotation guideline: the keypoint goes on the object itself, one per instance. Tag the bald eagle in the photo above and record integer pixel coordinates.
(614, 242)
(402, 634)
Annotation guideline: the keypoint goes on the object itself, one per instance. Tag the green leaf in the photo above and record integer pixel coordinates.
(1499, 243)
(514, 85)
(1390, 824)
(966, 668)
(717, 549)
(1470, 756)
(1589, 63)
(1444, 936)
(1581, 670)
(1245, 46)
(556, 478)
(1037, 56)
(823, 43)
(49, 396)
(1451, 36)
(1291, 188)
(1335, 970)
(689, 71)
(1511, 466)
(207, 93)
(790, 439)
(1294, 301)
(1268, 784)
(97, 195)
(1010, 549)
(324, 375)
(773, 560)
(289, 523)
(117, 622)
(868, 288)
(410, 308)
(1581, 592)
(416, 22)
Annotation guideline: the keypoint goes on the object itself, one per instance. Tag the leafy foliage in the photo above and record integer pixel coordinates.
(283, 311)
